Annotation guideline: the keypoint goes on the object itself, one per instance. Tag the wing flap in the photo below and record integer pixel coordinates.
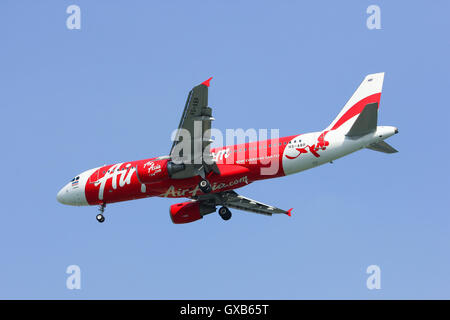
(192, 141)
(234, 200)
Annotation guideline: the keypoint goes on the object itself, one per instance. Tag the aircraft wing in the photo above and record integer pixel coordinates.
(192, 141)
(233, 200)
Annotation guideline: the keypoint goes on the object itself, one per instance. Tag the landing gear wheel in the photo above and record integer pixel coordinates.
(225, 213)
(205, 186)
(100, 218)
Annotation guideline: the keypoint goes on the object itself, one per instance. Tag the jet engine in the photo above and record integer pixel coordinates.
(157, 170)
(189, 211)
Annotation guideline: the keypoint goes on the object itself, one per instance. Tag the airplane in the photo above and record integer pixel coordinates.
(209, 176)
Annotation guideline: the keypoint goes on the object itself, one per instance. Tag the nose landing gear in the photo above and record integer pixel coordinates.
(100, 218)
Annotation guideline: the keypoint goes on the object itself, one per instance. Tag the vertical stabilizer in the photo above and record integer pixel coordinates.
(368, 92)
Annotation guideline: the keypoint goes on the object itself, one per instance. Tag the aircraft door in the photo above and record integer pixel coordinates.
(95, 176)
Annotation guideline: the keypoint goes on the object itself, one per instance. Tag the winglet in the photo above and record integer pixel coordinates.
(289, 212)
(206, 82)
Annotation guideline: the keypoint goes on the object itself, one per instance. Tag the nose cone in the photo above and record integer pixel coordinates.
(65, 196)
(73, 193)
(60, 196)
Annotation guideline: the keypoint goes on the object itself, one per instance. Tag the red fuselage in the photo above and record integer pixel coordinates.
(239, 165)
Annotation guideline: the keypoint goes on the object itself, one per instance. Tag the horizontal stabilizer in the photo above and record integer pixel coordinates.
(381, 147)
(366, 121)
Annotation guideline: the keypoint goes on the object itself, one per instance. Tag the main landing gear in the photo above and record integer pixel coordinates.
(100, 218)
(225, 213)
(205, 186)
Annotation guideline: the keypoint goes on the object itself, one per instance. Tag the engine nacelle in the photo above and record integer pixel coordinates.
(189, 211)
(185, 212)
(152, 171)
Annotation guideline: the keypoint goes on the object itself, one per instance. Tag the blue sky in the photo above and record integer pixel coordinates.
(114, 91)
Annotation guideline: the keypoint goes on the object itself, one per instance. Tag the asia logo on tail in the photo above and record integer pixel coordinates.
(320, 145)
